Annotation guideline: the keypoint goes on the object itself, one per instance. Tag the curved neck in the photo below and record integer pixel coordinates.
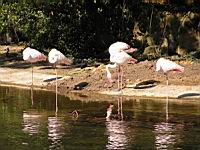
(108, 74)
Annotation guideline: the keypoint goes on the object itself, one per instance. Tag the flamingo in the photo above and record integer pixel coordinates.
(166, 66)
(118, 55)
(56, 57)
(32, 55)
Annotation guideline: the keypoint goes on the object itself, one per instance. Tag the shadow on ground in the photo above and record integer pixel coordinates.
(146, 84)
(52, 79)
(188, 95)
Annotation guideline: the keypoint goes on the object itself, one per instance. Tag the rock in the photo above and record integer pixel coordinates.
(151, 50)
(181, 51)
(150, 41)
(80, 86)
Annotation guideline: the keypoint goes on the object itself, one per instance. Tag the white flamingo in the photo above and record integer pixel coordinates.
(56, 57)
(32, 55)
(166, 66)
(118, 55)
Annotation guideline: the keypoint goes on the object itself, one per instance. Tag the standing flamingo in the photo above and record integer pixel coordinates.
(56, 57)
(118, 55)
(32, 56)
(166, 66)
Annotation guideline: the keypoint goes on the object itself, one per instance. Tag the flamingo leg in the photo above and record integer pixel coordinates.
(32, 74)
(118, 79)
(32, 102)
(167, 80)
(32, 84)
(56, 90)
(122, 74)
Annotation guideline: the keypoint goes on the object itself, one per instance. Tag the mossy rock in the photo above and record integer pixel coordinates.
(151, 50)
(150, 41)
(181, 51)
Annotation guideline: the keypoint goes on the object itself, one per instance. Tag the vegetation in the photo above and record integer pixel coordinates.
(86, 28)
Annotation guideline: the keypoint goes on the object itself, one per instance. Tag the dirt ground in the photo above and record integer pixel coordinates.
(93, 77)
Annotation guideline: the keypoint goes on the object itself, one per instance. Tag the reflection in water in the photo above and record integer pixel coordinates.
(165, 135)
(31, 122)
(56, 99)
(120, 110)
(116, 131)
(55, 132)
(167, 109)
(32, 101)
(146, 129)
(109, 111)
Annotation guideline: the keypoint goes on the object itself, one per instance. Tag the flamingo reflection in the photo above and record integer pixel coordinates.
(119, 115)
(31, 121)
(165, 132)
(116, 128)
(55, 132)
(117, 134)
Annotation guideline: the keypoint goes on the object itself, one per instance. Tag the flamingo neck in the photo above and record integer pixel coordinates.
(108, 74)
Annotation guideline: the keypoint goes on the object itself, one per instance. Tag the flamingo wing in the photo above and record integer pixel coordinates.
(167, 65)
(33, 55)
(57, 57)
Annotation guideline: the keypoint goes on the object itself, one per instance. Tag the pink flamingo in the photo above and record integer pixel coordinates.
(166, 66)
(32, 56)
(56, 57)
(118, 55)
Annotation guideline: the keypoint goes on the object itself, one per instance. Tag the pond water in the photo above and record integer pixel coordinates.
(28, 121)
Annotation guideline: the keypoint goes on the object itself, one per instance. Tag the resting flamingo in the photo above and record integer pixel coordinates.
(118, 55)
(166, 66)
(56, 57)
(32, 55)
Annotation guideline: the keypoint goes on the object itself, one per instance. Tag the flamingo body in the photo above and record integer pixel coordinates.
(56, 57)
(118, 55)
(167, 65)
(32, 55)
(118, 52)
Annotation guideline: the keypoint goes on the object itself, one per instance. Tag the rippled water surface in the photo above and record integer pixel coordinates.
(28, 121)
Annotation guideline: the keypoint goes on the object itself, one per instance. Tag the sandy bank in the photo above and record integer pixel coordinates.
(43, 80)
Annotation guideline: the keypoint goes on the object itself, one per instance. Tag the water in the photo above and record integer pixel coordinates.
(28, 121)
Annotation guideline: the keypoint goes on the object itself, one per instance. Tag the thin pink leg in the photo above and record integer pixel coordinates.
(122, 74)
(167, 79)
(118, 80)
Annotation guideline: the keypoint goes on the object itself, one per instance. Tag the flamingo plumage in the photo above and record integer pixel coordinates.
(119, 55)
(32, 55)
(167, 66)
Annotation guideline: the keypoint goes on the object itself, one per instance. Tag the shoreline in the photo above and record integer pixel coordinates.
(22, 79)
